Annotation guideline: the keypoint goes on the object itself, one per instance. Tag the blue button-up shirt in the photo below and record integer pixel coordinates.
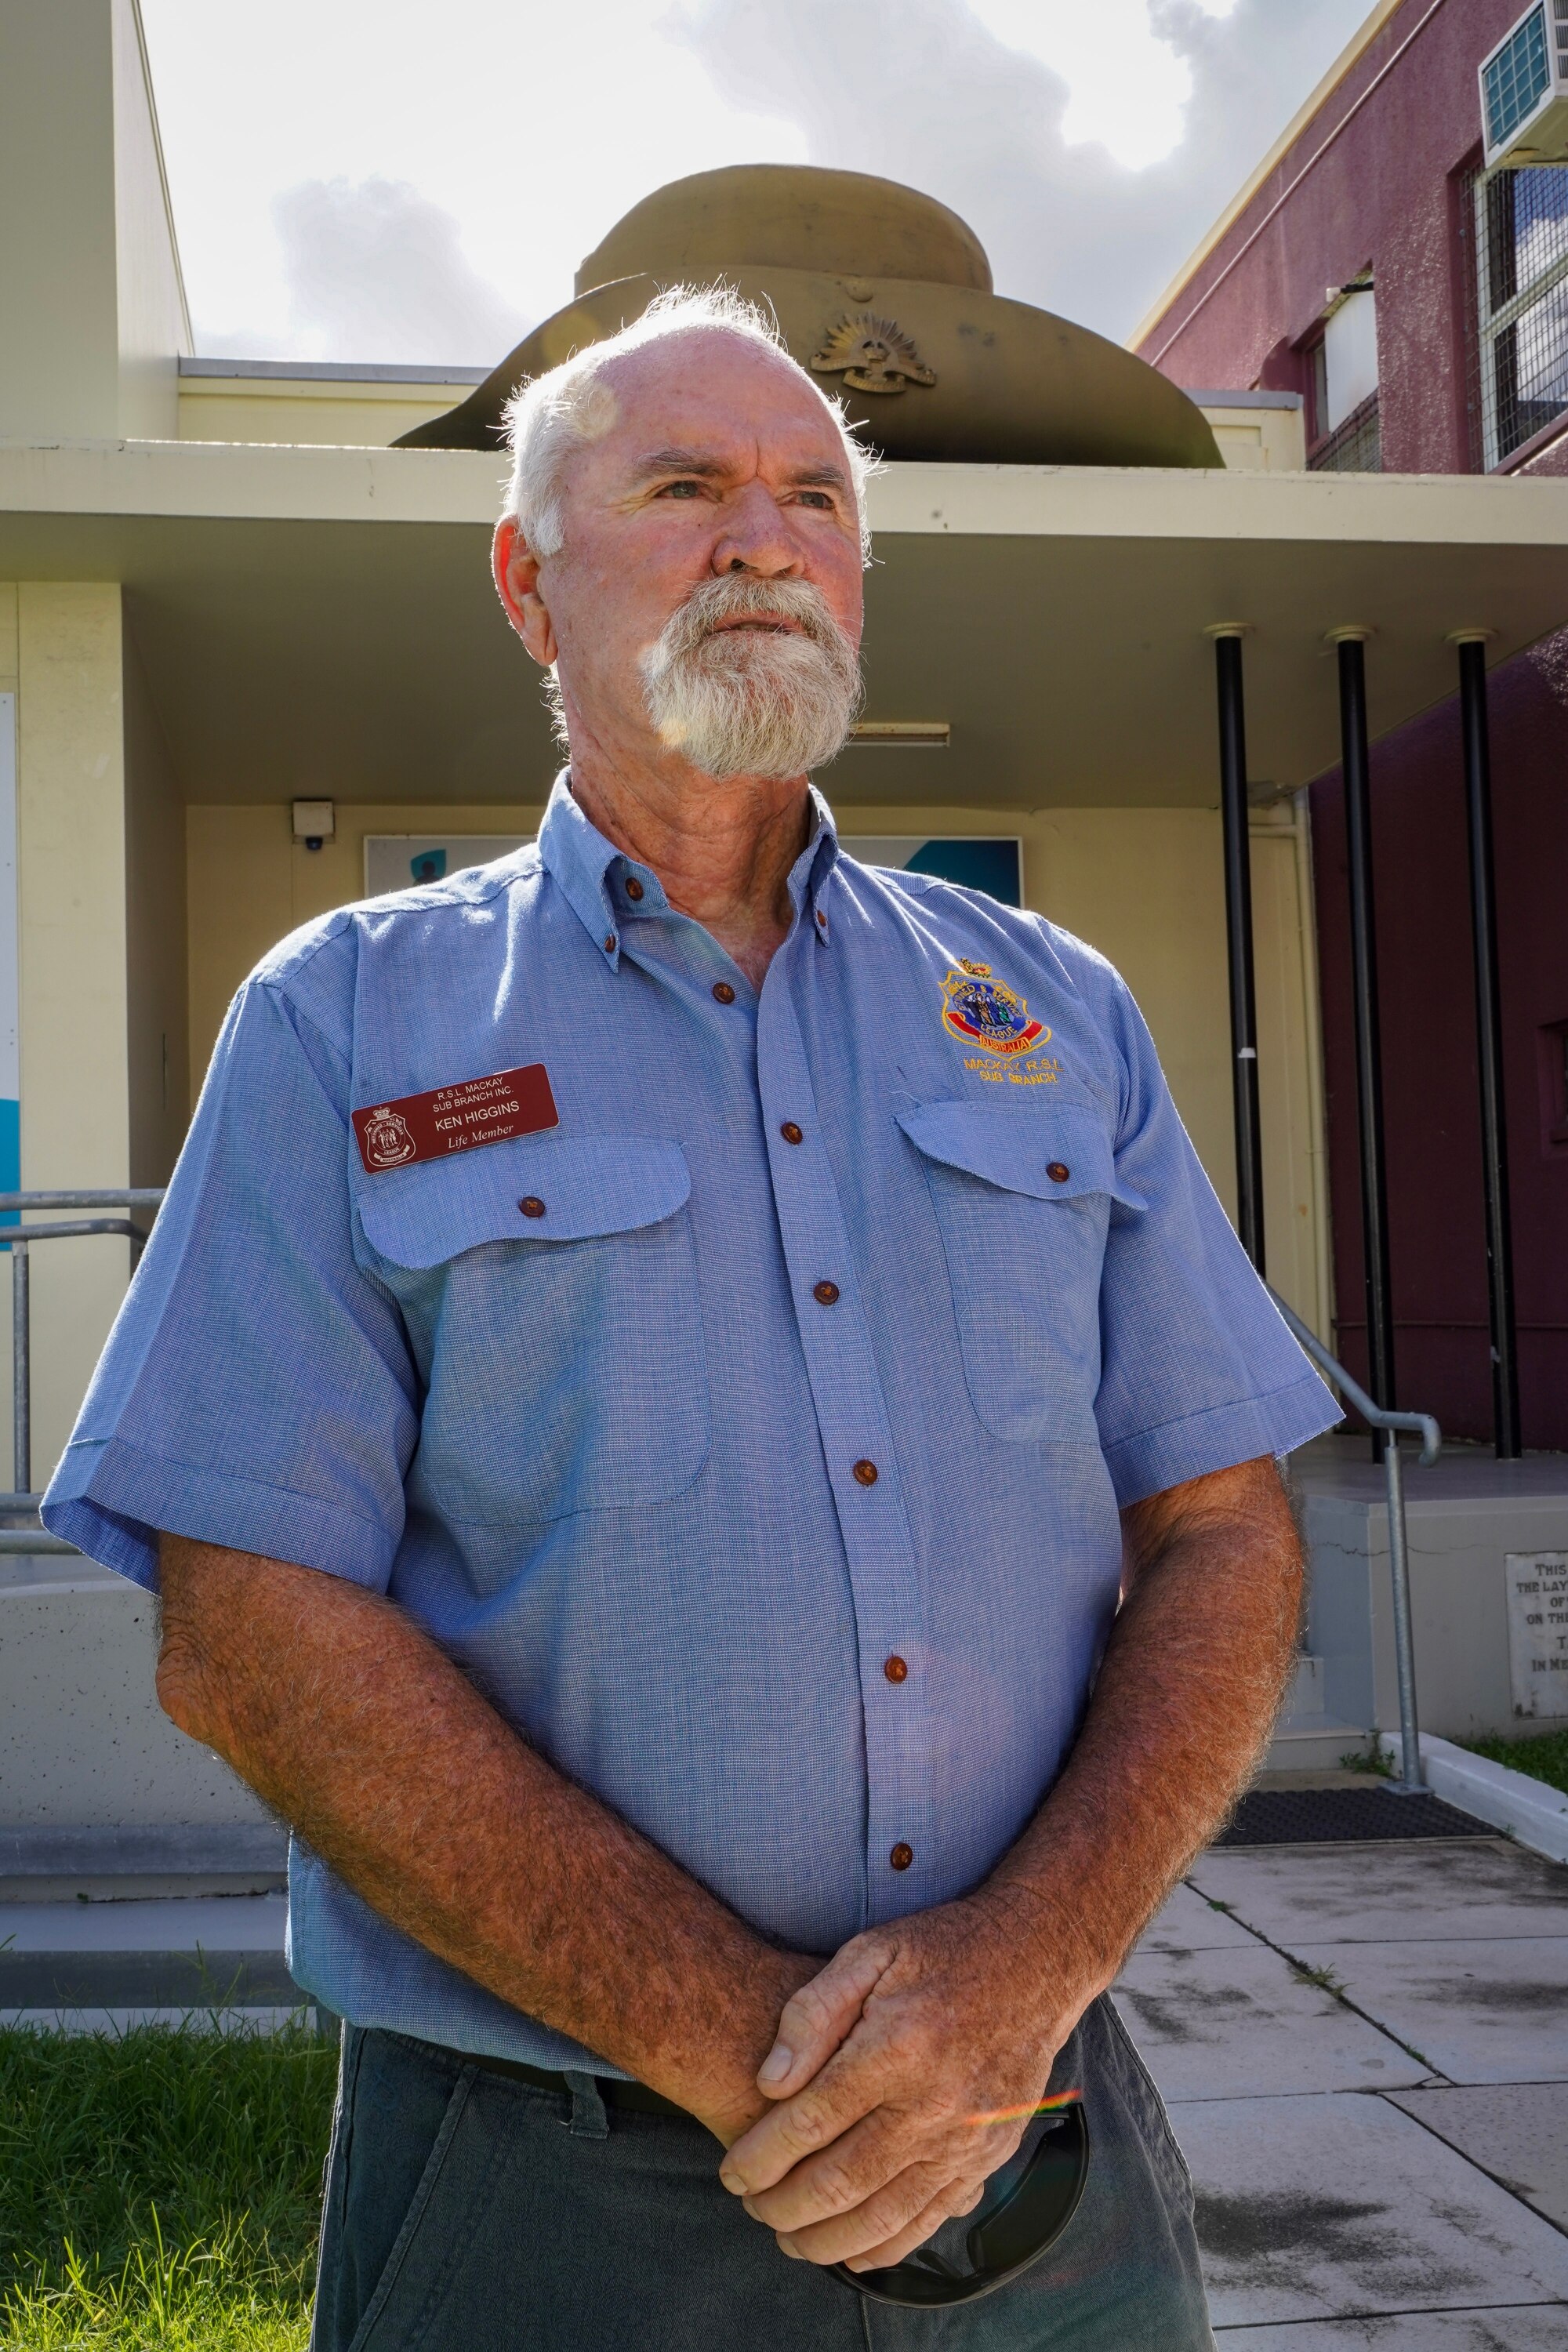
(857, 1305)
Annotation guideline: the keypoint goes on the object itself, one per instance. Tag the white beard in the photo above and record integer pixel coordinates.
(753, 702)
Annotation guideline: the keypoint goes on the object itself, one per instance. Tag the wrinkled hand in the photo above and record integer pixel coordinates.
(906, 2071)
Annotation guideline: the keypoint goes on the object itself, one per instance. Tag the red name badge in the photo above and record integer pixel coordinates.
(455, 1118)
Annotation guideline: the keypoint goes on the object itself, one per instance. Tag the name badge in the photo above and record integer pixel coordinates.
(455, 1119)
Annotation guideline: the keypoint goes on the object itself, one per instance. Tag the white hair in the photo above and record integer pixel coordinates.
(572, 403)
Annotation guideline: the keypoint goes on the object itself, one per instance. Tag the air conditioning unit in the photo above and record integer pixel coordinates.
(1524, 90)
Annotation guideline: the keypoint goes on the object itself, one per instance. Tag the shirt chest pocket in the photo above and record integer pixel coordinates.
(1023, 1200)
(549, 1290)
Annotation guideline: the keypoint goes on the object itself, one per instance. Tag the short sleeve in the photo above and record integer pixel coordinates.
(1198, 1370)
(256, 1390)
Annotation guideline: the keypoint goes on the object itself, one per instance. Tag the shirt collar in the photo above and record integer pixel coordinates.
(593, 875)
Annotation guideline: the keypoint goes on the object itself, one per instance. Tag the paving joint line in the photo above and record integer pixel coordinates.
(1305, 1974)
(1440, 2082)
(1411, 2311)
(1485, 2170)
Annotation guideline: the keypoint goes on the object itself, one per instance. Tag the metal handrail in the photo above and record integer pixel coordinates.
(19, 1239)
(1422, 1425)
(144, 1196)
(32, 1539)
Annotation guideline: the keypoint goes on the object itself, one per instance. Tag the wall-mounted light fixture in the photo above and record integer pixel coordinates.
(315, 821)
(931, 734)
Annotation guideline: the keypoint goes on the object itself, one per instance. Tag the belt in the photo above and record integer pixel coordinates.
(635, 2097)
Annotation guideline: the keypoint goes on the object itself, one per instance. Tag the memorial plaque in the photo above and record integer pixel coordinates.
(1538, 1631)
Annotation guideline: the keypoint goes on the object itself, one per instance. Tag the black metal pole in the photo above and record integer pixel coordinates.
(1238, 945)
(1368, 1046)
(1488, 1047)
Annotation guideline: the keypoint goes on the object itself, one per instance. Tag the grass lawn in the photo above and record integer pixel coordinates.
(159, 2192)
(1544, 1757)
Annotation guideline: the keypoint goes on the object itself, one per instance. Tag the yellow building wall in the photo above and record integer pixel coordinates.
(349, 414)
(72, 959)
(353, 413)
(90, 278)
(1143, 885)
(10, 681)
(102, 964)
(1259, 440)
(156, 1013)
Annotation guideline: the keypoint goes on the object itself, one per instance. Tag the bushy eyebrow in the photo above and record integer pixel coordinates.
(677, 461)
(709, 468)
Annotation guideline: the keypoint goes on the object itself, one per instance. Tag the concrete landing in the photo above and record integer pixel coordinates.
(1465, 1516)
(215, 1961)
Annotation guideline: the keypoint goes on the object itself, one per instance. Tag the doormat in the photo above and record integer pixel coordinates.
(1344, 1816)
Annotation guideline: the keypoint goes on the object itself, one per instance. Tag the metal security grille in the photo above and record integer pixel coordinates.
(1521, 260)
(1516, 78)
(1356, 447)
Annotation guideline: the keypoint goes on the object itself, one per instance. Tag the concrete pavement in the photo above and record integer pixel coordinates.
(1365, 2049)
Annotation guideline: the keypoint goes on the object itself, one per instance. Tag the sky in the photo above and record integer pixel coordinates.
(378, 181)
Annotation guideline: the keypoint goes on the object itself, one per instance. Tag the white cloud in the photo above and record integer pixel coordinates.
(922, 90)
(351, 183)
(533, 126)
(379, 270)
(1127, 89)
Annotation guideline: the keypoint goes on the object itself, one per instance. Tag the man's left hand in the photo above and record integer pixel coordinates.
(907, 2072)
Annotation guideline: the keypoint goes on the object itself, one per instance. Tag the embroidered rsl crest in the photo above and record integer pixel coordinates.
(979, 1010)
(387, 1141)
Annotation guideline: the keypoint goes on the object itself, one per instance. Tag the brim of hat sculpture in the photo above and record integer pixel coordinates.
(932, 366)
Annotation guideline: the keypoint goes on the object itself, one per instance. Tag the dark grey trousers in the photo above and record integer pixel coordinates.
(467, 2212)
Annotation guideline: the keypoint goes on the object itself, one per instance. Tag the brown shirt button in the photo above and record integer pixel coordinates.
(610, 944)
(895, 1670)
(1057, 1171)
(791, 1133)
(634, 887)
(866, 1473)
(723, 991)
(531, 1205)
(901, 1855)
(827, 1295)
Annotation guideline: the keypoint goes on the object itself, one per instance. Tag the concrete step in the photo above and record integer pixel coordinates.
(1308, 1737)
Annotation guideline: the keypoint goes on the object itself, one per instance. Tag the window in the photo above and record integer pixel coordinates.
(1346, 437)
(1551, 1062)
(1318, 393)
(1521, 245)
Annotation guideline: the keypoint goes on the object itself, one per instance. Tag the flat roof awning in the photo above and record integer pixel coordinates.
(322, 619)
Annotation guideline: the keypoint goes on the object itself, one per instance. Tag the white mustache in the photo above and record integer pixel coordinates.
(753, 702)
(714, 605)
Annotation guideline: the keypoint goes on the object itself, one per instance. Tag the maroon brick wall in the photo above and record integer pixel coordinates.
(1395, 142)
(1426, 1001)
(1387, 192)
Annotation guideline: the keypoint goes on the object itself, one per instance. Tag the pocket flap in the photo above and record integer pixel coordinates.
(585, 1185)
(1017, 1148)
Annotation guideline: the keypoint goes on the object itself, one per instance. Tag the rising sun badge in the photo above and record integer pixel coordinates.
(981, 1011)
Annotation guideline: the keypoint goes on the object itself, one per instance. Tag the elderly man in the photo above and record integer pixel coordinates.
(705, 1441)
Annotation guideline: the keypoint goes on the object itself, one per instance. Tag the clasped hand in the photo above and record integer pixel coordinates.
(903, 2075)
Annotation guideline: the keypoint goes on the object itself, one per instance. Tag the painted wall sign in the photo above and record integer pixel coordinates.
(1538, 1631)
(989, 862)
(401, 861)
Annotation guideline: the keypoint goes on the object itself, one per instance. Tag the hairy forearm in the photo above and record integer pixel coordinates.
(351, 1724)
(1186, 1696)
